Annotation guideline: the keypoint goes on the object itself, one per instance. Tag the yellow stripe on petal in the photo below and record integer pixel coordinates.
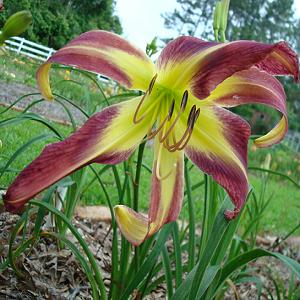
(104, 53)
(253, 86)
(218, 146)
(274, 136)
(142, 70)
(166, 198)
(191, 63)
(108, 137)
(167, 187)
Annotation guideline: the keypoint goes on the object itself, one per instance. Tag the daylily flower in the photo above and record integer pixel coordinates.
(182, 109)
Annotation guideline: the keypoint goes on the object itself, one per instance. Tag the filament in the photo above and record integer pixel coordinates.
(148, 92)
(162, 124)
(182, 108)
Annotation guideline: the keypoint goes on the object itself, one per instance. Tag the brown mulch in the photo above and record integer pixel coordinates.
(51, 273)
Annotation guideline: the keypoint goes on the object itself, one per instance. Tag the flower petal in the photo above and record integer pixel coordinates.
(166, 198)
(107, 137)
(207, 64)
(218, 146)
(105, 53)
(167, 187)
(254, 86)
(134, 226)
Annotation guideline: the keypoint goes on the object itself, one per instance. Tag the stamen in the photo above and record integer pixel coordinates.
(196, 116)
(184, 100)
(148, 92)
(154, 132)
(171, 110)
(182, 108)
(152, 84)
(167, 118)
(135, 120)
(191, 115)
(180, 145)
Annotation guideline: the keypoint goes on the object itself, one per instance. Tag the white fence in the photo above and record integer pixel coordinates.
(23, 46)
(292, 140)
(31, 49)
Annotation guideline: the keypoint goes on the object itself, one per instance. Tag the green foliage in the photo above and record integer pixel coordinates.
(56, 22)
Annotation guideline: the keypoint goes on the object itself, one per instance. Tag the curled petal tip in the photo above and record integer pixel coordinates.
(10, 206)
(231, 214)
(134, 226)
(42, 77)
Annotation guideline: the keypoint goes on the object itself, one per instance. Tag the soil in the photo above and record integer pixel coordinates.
(10, 92)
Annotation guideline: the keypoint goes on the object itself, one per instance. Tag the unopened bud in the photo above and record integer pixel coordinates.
(217, 16)
(224, 14)
(16, 24)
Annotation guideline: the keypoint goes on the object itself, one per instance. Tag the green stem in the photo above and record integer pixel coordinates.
(125, 246)
(177, 253)
(191, 218)
(136, 185)
(203, 235)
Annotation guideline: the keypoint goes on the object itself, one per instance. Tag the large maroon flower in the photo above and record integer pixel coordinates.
(182, 109)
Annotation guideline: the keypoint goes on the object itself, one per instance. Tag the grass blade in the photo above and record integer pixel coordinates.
(168, 272)
(149, 262)
(81, 241)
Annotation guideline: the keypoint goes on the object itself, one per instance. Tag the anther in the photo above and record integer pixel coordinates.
(191, 115)
(184, 100)
(171, 110)
(195, 118)
(152, 84)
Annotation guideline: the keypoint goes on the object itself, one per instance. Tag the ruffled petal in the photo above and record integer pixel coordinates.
(218, 146)
(166, 198)
(105, 53)
(108, 137)
(254, 86)
(201, 66)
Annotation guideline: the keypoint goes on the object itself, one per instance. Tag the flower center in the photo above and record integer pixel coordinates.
(165, 125)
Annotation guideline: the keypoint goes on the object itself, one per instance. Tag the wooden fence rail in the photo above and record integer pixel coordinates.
(28, 48)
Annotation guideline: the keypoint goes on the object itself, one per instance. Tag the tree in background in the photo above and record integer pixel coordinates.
(56, 22)
(262, 20)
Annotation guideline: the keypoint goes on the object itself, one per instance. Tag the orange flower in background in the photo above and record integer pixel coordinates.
(183, 108)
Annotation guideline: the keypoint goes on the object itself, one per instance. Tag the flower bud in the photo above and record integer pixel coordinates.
(217, 16)
(15, 25)
(224, 14)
